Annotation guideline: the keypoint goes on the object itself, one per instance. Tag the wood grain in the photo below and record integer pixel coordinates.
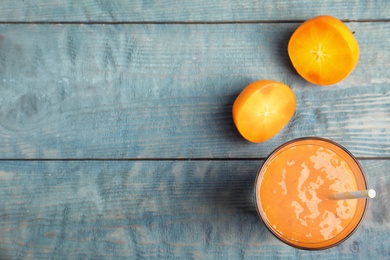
(188, 11)
(157, 209)
(166, 91)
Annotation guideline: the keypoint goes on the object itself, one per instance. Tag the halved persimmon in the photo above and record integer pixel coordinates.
(323, 50)
(262, 109)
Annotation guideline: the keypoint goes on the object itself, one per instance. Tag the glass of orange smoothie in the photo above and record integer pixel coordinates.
(293, 190)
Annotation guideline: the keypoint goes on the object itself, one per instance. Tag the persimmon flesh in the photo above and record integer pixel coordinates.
(323, 50)
(262, 109)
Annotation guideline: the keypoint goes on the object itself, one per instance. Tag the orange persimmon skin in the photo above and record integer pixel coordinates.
(262, 109)
(323, 50)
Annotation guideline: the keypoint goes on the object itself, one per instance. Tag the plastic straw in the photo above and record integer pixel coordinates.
(354, 195)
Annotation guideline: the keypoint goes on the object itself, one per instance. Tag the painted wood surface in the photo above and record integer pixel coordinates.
(166, 91)
(116, 134)
(158, 209)
(188, 11)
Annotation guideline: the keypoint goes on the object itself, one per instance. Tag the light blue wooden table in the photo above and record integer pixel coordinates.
(116, 136)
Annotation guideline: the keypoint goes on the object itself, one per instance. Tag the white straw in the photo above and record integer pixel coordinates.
(354, 195)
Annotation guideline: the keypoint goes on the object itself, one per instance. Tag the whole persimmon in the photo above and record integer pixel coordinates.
(323, 50)
(262, 109)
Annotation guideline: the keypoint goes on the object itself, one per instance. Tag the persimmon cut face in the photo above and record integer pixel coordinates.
(323, 50)
(262, 109)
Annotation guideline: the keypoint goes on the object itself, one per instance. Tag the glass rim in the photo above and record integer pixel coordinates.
(257, 195)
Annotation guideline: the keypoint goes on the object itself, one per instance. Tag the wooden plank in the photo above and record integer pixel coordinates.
(186, 10)
(157, 209)
(166, 91)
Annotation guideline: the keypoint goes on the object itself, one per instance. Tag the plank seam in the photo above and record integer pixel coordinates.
(160, 159)
(181, 22)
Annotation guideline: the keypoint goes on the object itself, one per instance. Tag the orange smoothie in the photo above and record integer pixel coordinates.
(293, 188)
